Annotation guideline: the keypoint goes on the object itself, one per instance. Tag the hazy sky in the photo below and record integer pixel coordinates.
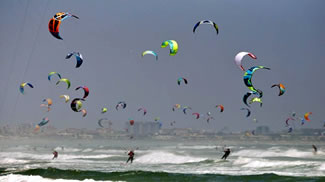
(287, 36)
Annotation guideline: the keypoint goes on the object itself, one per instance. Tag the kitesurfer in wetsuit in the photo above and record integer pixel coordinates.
(131, 156)
(315, 149)
(55, 154)
(227, 152)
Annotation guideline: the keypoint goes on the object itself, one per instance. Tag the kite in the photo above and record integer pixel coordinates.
(22, 87)
(248, 78)
(66, 81)
(120, 104)
(173, 46)
(221, 107)
(256, 99)
(84, 112)
(66, 97)
(86, 90)
(206, 22)
(248, 111)
(54, 23)
(143, 109)
(180, 80)
(53, 73)
(42, 123)
(76, 104)
(150, 52)
(176, 106)
(78, 58)
(104, 109)
(240, 56)
(197, 115)
(306, 116)
(281, 88)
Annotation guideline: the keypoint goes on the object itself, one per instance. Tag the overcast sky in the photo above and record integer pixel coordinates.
(286, 36)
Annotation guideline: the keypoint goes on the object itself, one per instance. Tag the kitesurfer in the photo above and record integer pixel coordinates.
(227, 152)
(315, 149)
(55, 154)
(131, 156)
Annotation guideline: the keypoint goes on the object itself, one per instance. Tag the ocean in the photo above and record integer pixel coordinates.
(30, 160)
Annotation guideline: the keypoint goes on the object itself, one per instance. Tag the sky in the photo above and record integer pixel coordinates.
(286, 36)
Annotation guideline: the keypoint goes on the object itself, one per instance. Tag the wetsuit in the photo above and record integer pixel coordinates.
(315, 148)
(227, 152)
(55, 153)
(131, 156)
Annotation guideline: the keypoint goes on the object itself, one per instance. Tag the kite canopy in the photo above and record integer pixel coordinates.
(120, 104)
(131, 122)
(240, 56)
(78, 57)
(179, 80)
(42, 123)
(22, 87)
(150, 52)
(173, 46)
(197, 115)
(102, 121)
(84, 112)
(209, 22)
(248, 78)
(66, 81)
(104, 109)
(66, 97)
(256, 99)
(248, 111)
(55, 22)
(176, 106)
(53, 73)
(306, 116)
(76, 104)
(281, 88)
(185, 109)
(86, 90)
(221, 107)
(143, 109)
(288, 119)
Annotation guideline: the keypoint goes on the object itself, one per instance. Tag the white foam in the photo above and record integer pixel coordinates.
(18, 155)
(67, 157)
(12, 161)
(166, 158)
(87, 150)
(267, 163)
(23, 178)
(242, 160)
(197, 147)
(322, 167)
(273, 153)
(69, 149)
(109, 151)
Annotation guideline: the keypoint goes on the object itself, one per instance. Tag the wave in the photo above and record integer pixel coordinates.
(22, 157)
(23, 178)
(12, 161)
(45, 175)
(67, 149)
(167, 158)
(322, 167)
(275, 153)
(196, 147)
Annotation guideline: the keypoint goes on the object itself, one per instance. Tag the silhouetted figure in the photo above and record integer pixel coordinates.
(315, 149)
(131, 156)
(227, 152)
(55, 154)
